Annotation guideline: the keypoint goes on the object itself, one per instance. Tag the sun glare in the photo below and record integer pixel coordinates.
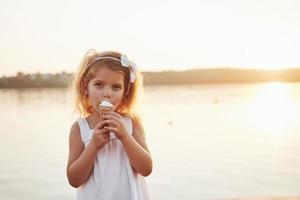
(273, 110)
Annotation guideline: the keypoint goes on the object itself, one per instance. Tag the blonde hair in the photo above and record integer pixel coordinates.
(86, 71)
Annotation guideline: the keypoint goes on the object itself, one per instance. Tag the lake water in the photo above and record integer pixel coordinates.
(208, 141)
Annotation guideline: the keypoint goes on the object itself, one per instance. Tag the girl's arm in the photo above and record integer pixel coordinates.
(81, 160)
(137, 150)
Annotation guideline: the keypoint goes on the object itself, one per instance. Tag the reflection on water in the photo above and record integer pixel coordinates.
(208, 141)
(275, 108)
(21, 97)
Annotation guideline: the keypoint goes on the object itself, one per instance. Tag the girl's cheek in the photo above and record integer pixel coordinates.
(118, 95)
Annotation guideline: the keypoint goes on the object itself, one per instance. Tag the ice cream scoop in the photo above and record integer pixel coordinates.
(107, 106)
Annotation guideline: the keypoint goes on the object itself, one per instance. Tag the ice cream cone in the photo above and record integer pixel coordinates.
(107, 106)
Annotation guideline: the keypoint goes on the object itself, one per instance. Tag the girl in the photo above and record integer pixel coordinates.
(100, 166)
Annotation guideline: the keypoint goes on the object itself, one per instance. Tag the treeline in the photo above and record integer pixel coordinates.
(223, 75)
(36, 80)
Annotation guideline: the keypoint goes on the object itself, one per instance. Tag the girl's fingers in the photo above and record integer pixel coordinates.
(113, 129)
(110, 122)
(100, 125)
(101, 131)
(106, 135)
(117, 115)
(111, 117)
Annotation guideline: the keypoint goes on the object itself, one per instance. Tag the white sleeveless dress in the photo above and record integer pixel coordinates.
(113, 177)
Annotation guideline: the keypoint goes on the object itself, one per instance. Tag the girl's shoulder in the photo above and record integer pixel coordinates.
(128, 119)
(74, 134)
(125, 115)
(133, 117)
(78, 124)
(134, 120)
(74, 126)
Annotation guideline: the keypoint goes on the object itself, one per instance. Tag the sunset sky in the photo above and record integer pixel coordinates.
(52, 36)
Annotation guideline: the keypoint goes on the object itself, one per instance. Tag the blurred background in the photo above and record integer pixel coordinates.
(222, 92)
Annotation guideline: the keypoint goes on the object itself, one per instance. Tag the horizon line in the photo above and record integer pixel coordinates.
(161, 71)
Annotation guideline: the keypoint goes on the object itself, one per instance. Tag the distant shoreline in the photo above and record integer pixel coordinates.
(197, 76)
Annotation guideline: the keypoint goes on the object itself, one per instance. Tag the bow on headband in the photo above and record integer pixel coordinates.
(125, 62)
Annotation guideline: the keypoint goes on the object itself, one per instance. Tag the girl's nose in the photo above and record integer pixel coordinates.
(107, 93)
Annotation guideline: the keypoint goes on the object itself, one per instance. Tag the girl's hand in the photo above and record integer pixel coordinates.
(116, 124)
(100, 136)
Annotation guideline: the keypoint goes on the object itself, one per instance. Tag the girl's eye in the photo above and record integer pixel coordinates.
(117, 87)
(98, 84)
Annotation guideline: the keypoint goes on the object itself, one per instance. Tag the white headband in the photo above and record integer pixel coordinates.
(125, 62)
